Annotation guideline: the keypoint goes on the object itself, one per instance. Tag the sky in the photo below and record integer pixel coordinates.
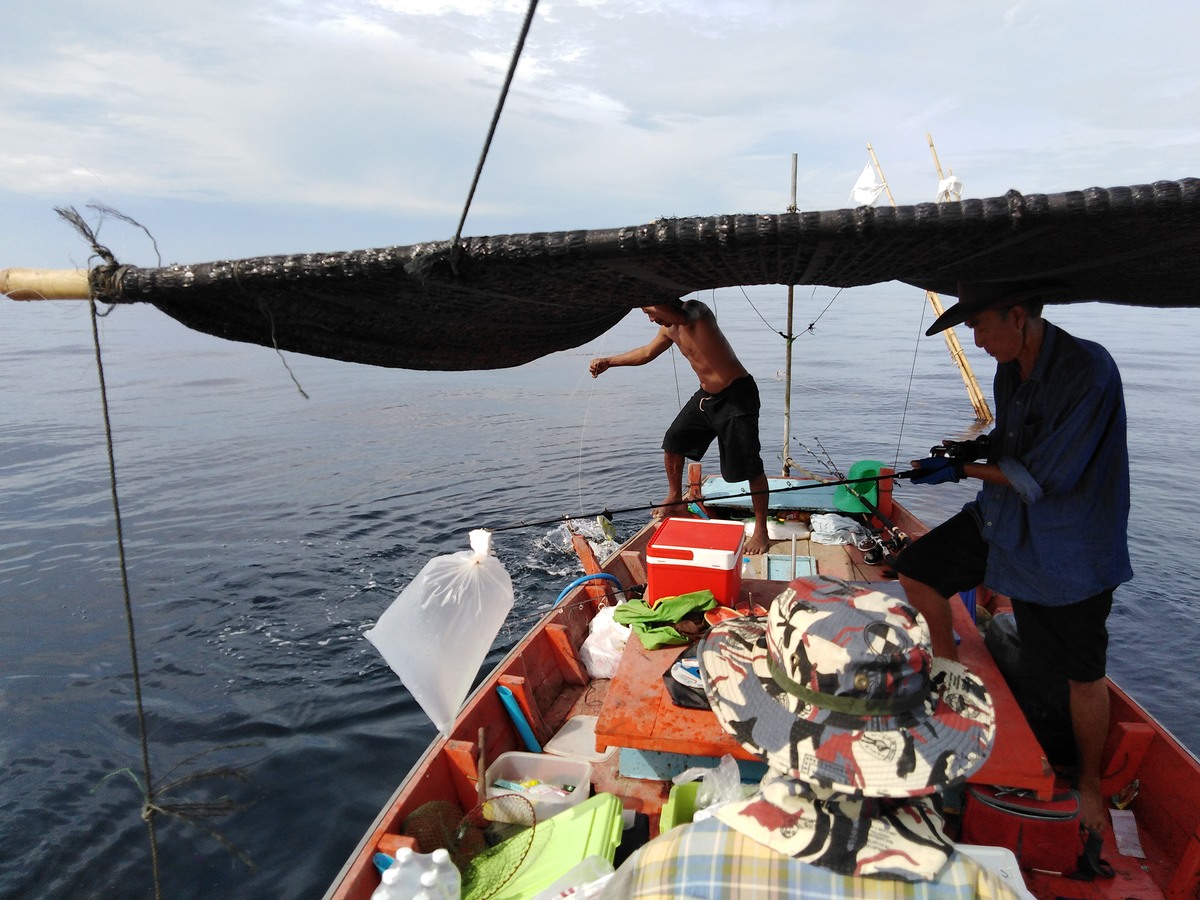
(238, 128)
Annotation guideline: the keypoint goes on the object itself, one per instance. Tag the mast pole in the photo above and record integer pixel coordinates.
(879, 169)
(787, 384)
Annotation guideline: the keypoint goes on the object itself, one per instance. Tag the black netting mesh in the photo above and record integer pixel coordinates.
(501, 301)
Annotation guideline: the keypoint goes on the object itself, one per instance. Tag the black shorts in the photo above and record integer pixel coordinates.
(950, 558)
(1070, 641)
(731, 417)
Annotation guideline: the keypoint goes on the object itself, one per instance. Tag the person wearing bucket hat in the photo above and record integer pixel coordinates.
(836, 690)
(1048, 528)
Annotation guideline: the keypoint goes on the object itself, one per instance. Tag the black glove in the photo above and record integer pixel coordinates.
(937, 469)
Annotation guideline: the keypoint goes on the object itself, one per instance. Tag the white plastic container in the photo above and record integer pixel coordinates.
(558, 771)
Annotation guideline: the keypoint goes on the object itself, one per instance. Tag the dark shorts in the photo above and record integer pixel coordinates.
(950, 558)
(1070, 640)
(731, 417)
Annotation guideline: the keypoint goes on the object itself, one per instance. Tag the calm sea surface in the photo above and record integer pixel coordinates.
(265, 532)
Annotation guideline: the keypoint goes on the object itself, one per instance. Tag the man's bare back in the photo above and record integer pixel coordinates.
(692, 327)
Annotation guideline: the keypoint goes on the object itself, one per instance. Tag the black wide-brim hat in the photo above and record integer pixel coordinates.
(975, 297)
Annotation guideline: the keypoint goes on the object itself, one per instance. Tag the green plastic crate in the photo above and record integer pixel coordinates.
(561, 842)
(680, 806)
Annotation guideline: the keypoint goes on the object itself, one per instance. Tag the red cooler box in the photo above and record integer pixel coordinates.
(686, 555)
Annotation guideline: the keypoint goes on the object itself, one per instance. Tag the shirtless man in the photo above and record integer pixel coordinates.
(725, 407)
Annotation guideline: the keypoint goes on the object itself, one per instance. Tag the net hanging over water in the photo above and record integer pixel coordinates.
(495, 302)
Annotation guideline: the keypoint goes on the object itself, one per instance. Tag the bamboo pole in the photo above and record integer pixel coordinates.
(45, 284)
(879, 170)
(983, 412)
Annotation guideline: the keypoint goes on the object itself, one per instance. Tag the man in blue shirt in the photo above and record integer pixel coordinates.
(1048, 528)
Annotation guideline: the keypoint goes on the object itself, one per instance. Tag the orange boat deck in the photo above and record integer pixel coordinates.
(639, 713)
(545, 674)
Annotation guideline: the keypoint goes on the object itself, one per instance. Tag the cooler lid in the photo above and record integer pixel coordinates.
(697, 534)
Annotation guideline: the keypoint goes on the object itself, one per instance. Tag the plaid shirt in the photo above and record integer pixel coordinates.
(708, 860)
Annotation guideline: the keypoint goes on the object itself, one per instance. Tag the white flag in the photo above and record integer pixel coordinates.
(867, 189)
(950, 190)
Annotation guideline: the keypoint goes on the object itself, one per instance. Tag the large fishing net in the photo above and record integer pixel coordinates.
(488, 844)
(491, 302)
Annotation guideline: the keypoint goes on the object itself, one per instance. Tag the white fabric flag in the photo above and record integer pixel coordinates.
(950, 190)
(867, 189)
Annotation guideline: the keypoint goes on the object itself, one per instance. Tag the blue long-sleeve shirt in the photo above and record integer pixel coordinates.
(1058, 535)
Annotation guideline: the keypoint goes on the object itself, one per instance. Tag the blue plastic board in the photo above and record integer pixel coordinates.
(719, 492)
(779, 567)
(659, 766)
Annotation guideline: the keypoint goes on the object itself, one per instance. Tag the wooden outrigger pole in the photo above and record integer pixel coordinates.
(45, 284)
(983, 412)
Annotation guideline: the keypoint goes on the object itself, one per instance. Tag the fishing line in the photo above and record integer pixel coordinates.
(583, 427)
(908, 392)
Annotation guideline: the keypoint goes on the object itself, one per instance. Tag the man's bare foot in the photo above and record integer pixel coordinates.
(1092, 814)
(758, 543)
(671, 506)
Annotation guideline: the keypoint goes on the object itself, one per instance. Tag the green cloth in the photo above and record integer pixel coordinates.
(655, 625)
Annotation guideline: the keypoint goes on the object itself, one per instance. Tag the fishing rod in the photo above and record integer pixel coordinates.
(608, 513)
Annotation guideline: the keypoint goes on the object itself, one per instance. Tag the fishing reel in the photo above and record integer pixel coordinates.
(877, 549)
(965, 451)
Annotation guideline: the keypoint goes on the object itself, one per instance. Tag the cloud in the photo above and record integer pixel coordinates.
(621, 110)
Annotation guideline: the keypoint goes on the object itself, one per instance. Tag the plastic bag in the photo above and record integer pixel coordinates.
(720, 785)
(602, 648)
(830, 528)
(436, 634)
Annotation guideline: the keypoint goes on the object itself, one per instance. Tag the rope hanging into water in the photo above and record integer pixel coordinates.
(512, 70)
(149, 807)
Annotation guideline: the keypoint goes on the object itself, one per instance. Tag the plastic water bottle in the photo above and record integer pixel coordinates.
(449, 881)
(429, 886)
(387, 885)
(402, 880)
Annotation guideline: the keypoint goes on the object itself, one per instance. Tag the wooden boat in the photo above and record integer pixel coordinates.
(632, 711)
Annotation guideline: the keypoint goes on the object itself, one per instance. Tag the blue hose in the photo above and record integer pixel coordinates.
(585, 578)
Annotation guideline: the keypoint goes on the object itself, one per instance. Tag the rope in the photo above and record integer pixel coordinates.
(812, 326)
(149, 808)
(512, 70)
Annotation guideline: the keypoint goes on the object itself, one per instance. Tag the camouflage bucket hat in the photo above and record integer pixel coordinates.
(836, 686)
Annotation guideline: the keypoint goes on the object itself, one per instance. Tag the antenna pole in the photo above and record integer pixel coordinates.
(787, 384)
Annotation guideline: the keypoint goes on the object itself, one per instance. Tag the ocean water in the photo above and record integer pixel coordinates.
(265, 532)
